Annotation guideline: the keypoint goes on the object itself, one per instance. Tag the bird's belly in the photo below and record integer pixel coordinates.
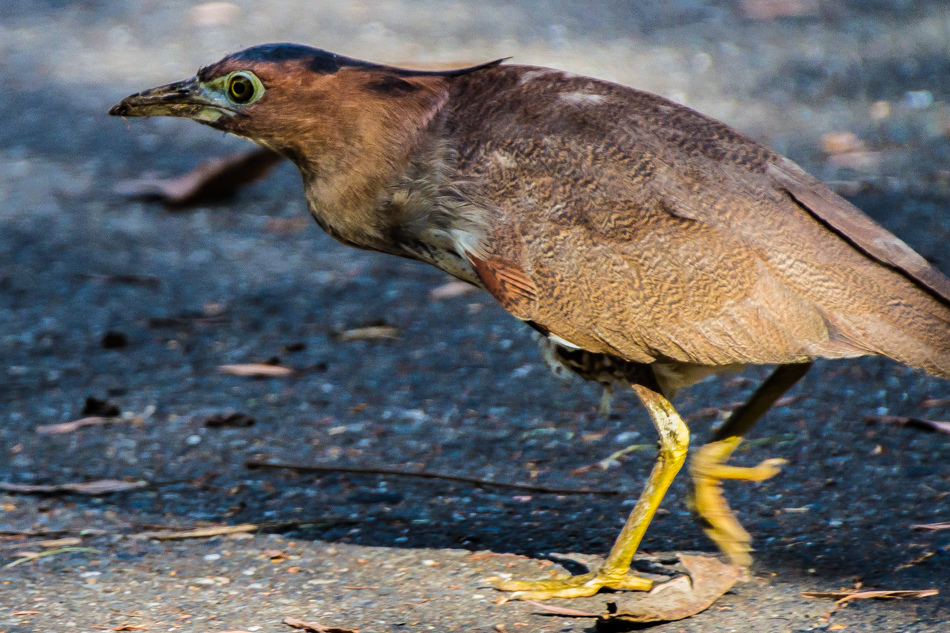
(603, 369)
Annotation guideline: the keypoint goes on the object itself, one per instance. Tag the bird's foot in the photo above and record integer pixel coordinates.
(708, 470)
(573, 586)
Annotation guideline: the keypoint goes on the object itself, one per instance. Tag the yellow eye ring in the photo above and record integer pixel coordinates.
(243, 88)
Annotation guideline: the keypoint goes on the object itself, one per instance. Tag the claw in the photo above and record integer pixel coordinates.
(708, 502)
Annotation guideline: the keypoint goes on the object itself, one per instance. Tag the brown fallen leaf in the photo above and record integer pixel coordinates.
(100, 487)
(371, 333)
(932, 403)
(314, 627)
(451, 290)
(211, 180)
(75, 425)
(932, 527)
(681, 597)
(941, 426)
(256, 370)
(840, 597)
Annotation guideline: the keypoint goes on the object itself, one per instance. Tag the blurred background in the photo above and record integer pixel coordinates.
(785, 71)
(123, 301)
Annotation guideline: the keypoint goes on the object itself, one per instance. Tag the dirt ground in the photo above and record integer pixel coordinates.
(462, 390)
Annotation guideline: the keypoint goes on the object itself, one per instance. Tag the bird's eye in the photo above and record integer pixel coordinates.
(241, 88)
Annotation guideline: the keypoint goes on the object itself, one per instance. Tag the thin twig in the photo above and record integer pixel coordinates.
(166, 532)
(37, 533)
(52, 552)
(371, 470)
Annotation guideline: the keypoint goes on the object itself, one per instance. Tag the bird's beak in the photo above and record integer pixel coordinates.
(187, 99)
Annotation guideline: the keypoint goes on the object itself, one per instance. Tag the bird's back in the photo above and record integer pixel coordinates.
(651, 232)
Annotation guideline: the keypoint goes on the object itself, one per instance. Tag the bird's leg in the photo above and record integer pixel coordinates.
(708, 466)
(615, 572)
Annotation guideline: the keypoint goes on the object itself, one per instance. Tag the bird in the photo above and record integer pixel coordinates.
(646, 244)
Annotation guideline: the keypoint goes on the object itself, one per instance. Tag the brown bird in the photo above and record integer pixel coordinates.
(647, 243)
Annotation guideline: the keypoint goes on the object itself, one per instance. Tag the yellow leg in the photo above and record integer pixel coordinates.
(615, 573)
(708, 466)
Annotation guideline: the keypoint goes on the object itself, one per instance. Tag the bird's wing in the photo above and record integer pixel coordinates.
(650, 231)
(853, 225)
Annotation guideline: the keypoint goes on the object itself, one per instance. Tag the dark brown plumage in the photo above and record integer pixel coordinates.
(646, 242)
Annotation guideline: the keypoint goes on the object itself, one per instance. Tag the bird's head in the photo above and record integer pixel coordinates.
(305, 103)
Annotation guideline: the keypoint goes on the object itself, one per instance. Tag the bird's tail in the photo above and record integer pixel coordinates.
(912, 326)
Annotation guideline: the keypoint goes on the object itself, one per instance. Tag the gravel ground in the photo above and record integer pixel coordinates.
(462, 390)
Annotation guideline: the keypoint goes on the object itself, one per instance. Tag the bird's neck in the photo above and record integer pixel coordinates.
(401, 196)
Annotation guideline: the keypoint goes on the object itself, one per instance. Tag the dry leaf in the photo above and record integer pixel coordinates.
(75, 425)
(100, 487)
(371, 333)
(709, 578)
(932, 403)
(840, 597)
(256, 370)
(771, 9)
(201, 532)
(315, 627)
(451, 290)
(211, 180)
(932, 527)
(941, 426)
